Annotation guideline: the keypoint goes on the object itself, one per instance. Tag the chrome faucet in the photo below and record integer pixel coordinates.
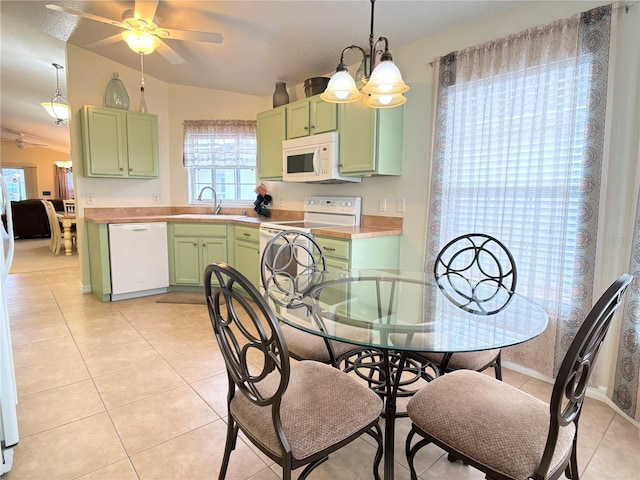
(216, 206)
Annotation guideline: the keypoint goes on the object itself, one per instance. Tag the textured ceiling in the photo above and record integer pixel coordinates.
(264, 42)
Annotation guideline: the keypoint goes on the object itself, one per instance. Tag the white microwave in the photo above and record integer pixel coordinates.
(313, 159)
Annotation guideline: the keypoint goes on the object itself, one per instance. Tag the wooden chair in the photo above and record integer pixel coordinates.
(289, 255)
(295, 414)
(54, 226)
(505, 432)
(69, 207)
(474, 260)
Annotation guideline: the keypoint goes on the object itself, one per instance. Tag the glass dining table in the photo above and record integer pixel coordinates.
(391, 317)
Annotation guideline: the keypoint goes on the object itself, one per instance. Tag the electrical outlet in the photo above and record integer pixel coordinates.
(91, 200)
(400, 206)
(382, 206)
(157, 198)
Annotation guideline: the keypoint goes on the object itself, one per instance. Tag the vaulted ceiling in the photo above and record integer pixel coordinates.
(263, 42)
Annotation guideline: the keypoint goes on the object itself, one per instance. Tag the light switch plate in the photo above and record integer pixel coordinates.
(383, 205)
(400, 205)
(91, 200)
(157, 198)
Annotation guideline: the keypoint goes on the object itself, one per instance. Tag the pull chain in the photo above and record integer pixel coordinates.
(142, 106)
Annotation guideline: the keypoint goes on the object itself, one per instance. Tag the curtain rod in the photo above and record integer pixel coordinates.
(626, 7)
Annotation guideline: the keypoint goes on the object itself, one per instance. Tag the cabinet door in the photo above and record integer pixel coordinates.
(142, 145)
(247, 261)
(324, 116)
(186, 261)
(213, 250)
(104, 142)
(271, 131)
(371, 140)
(357, 124)
(298, 119)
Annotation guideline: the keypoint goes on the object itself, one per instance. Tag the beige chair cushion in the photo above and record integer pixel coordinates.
(466, 360)
(491, 422)
(321, 407)
(306, 346)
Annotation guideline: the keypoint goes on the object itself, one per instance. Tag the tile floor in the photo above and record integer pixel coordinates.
(136, 390)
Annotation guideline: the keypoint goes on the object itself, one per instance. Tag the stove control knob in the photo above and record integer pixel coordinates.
(310, 202)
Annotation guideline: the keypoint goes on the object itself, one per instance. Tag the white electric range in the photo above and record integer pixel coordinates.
(319, 212)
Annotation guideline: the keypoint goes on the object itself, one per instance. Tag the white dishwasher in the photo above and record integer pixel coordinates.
(139, 259)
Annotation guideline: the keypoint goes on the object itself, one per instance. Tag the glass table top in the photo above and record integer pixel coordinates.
(403, 310)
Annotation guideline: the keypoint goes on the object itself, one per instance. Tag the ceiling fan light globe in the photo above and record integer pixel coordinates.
(141, 41)
(385, 79)
(341, 89)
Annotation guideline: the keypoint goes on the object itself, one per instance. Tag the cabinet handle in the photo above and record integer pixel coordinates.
(246, 234)
(306, 127)
(195, 244)
(121, 169)
(330, 249)
(313, 126)
(130, 170)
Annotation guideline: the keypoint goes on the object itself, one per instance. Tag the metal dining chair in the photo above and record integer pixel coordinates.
(503, 431)
(296, 414)
(286, 266)
(469, 264)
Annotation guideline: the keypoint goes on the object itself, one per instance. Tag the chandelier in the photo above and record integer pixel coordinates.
(382, 81)
(57, 107)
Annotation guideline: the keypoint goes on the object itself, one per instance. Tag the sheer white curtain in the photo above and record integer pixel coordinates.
(219, 143)
(517, 155)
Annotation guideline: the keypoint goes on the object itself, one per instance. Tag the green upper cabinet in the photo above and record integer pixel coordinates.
(119, 144)
(271, 131)
(371, 140)
(310, 116)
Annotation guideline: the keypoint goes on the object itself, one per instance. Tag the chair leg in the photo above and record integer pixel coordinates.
(497, 366)
(232, 435)
(309, 468)
(411, 451)
(377, 436)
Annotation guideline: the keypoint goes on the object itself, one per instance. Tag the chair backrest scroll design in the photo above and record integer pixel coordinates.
(249, 336)
(570, 386)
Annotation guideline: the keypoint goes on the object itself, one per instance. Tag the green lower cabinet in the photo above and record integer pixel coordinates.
(99, 266)
(371, 252)
(192, 248)
(247, 253)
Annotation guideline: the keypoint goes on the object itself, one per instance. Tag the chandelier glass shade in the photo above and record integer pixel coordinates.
(382, 82)
(58, 106)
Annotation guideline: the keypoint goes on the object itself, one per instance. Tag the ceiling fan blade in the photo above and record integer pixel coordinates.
(195, 36)
(87, 15)
(146, 10)
(169, 54)
(105, 41)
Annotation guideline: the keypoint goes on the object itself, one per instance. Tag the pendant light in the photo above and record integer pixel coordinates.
(382, 82)
(57, 107)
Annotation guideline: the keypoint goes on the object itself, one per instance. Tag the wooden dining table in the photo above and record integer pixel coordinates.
(392, 316)
(67, 221)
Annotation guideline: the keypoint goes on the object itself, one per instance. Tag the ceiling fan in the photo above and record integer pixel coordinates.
(141, 33)
(20, 142)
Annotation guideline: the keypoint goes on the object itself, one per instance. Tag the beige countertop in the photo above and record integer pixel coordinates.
(371, 226)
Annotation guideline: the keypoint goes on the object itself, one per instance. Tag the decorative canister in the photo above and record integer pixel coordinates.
(280, 96)
(115, 95)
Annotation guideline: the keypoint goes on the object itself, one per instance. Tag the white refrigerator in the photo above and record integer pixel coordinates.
(8, 392)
